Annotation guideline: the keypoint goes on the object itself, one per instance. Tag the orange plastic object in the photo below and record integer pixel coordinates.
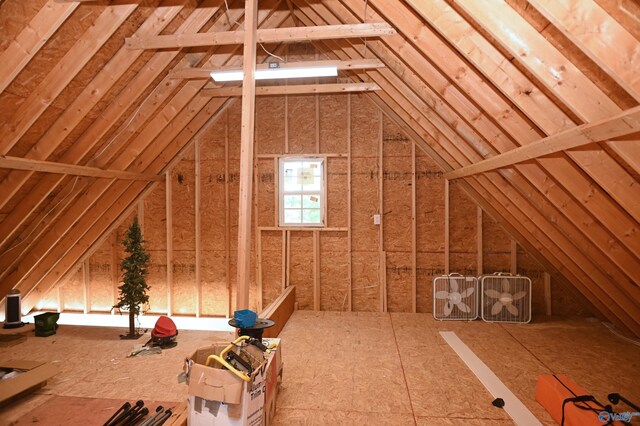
(551, 391)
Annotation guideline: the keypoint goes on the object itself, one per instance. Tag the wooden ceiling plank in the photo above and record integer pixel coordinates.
(85, 101)
(615, 219)
(17, 163)
(621, 125)
(98, 128)
(272, 35)
(36, 260)
(189, 73)
(604, 40)
(341, 15)
(294, 89)
(32, 37)
(62, 74)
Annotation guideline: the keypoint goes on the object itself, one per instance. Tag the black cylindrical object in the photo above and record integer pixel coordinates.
(13, 315)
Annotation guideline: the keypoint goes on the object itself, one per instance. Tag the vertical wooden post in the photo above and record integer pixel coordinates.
(414, 239)
(276, 192)
(349, 264)
(284, 260)
(198, 230)
(316, 271)
(61, 299)
(259, 267)
(288, 259)
(246, 155)
(141, 215)
(115, 273)
(382, 255)
(286, 124)
(514, 257)
(547, 293)
(86, 294)
(169, 212)
(480, 243)
(446, 226)
(227, 214)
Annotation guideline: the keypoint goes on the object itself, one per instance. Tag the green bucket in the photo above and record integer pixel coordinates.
(46, 324)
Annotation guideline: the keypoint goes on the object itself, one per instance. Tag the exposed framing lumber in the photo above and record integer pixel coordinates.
(169, 147)
(614, 52)
(227, 215)
(85, 101)
(169, 230)
(621, 125)
(581, 210)
(115, 275)
(17, 163)
(198, 227)
(246, 155)
(280, 311)
(479, 243)
(349, 230)
(355, 64)
(414, 238)
(86, 282)
(446, 226)
(570, 85)
(293, 15)
(547, 294)
(382, 256)
(316, 271)
(294, 89)
(270, 35)
(55, 82)
(36, 33)
(511, 221)
(514, 257)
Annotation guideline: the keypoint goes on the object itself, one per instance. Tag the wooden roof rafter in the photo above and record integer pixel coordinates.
(572, 177)
(341, 13)
(44, 267)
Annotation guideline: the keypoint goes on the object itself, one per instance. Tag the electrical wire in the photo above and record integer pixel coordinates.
(626, 339)
(271, 54)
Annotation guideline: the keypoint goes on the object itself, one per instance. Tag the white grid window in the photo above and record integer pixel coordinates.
(302, 197)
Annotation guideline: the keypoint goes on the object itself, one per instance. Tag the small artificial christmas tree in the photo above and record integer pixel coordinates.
(133, 291)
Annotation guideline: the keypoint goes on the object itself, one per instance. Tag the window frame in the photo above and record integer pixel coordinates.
(282, 161)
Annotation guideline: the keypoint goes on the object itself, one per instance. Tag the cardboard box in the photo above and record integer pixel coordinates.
(34, 375)
(218, 397)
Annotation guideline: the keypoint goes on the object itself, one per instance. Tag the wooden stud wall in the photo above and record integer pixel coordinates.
(367, 156)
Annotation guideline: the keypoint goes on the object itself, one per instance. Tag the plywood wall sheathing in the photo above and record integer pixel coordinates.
(457, 88)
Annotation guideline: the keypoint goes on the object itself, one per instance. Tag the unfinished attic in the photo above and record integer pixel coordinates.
(433, 205)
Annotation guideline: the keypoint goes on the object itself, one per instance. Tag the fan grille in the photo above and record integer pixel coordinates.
(455, 298)
(506, 298)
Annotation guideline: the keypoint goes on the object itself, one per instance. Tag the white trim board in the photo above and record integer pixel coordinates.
(512, 405)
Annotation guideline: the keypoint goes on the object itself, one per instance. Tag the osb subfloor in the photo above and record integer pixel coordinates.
(357, 368)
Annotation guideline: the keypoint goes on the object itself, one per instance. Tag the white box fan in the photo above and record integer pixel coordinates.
(455, 297)
(506, 298)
